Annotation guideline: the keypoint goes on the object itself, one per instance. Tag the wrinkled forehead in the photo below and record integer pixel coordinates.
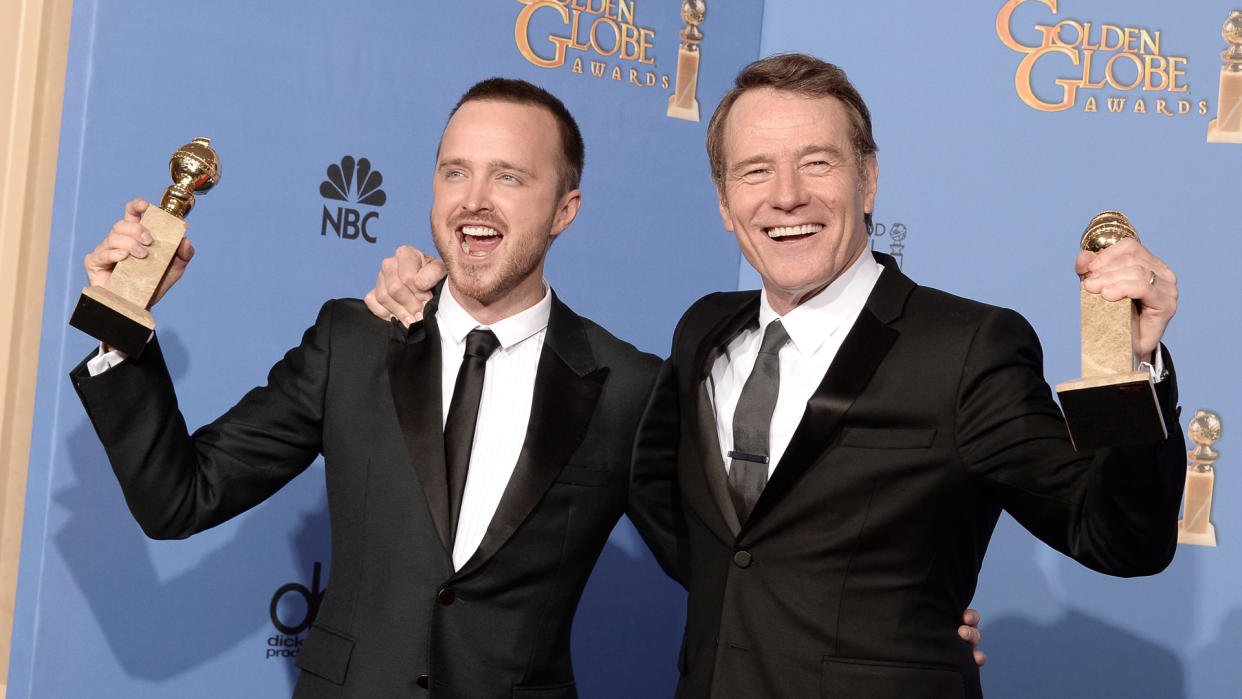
(769, 118)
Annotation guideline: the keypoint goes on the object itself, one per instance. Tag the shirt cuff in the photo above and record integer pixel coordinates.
(1155, 369)
(103, 361)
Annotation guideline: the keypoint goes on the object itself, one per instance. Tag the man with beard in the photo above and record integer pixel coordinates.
(447, 580)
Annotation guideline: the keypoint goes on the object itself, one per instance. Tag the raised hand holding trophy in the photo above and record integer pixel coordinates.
(116, 313)
(1112, 404)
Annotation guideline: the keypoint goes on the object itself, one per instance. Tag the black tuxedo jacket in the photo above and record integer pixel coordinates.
(850, 576)
(396, 620)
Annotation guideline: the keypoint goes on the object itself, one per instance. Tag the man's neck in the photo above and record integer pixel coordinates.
(506, 305)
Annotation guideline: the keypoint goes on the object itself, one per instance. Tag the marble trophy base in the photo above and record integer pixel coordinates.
(682, 103)
(1112, 405)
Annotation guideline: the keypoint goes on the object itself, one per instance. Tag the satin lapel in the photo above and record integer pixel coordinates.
(861, 353)
(414, 378)
(711, 466)
(567, 386)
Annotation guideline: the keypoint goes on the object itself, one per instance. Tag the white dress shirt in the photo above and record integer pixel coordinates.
(504, 410)
(816, 330)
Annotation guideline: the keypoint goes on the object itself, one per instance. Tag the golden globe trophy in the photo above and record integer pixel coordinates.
(1227, 126)
(116, 313)
(1195, 526)
(682, 104)
(1112, 404)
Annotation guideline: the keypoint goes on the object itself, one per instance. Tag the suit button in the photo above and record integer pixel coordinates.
(446, 597)
(424, 681)
(742, 559)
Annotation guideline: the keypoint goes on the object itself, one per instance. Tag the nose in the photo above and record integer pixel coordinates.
(478, 195)
(789, 191)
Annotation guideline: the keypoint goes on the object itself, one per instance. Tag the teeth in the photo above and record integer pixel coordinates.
(784, 231)
(479, 231)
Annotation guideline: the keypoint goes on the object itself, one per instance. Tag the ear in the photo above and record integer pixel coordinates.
(566, 211)
(722, 200)
(870, 183)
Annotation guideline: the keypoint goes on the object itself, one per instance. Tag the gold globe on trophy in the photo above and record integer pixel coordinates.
(116, 313)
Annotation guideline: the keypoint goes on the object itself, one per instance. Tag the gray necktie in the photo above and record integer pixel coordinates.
(748, 467)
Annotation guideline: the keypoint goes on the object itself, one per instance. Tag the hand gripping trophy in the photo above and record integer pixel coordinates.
(116, 313)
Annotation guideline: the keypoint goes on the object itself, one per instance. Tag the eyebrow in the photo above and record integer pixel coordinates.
(831, 150)
(491, 165)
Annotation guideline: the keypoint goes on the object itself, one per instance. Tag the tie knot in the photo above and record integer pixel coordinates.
(774, 337)
(480, 343)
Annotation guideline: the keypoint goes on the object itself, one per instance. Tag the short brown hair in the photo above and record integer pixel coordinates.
(573, 152)
(801, 74)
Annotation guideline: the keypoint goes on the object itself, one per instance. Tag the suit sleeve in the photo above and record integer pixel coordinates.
(1113, 510)
(655, 499)
(177, 484)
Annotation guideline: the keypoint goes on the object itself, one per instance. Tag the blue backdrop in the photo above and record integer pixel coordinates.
(981, 193)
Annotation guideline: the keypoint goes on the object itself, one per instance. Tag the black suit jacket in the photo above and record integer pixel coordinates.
(367, 395)
(850, 576)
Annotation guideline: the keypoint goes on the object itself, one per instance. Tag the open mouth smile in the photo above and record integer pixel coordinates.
(793, 233)
(479, 241)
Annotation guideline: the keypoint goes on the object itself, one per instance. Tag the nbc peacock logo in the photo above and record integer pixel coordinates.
(352, 181)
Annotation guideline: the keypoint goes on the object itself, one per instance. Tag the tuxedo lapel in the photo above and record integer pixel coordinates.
(414, 377)
(709, 471)
(567, 386)
(861, 353)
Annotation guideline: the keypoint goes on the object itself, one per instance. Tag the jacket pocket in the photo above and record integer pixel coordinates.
(876, 679)
(884, 438)
(326, 654)
(565, 690)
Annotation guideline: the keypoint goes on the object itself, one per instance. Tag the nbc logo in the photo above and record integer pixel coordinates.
(354, 181)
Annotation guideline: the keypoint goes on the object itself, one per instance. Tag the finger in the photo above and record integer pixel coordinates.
(130, 229)
(430, 275)
(980, 658)
(376, 308)
(1083, 262)
(185, 250)
(970, 617)
(1127, 253)
(408, 260)
(135, 208)
(395, 290)
(969, 634)
(123, 241)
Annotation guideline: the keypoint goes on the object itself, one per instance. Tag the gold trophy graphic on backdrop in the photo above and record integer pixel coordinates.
(1112, 404)
(116, 313)
(1227, 126)
(682, 104)
(1195, 526)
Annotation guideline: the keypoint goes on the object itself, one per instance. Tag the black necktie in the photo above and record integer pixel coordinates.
(463, 413)
(748, 462)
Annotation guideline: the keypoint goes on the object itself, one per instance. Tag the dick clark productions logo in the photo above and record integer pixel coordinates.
(293, 610)
(352, 182)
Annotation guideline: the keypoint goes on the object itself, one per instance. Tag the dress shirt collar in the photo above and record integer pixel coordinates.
(455, 323)
(821, 316)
